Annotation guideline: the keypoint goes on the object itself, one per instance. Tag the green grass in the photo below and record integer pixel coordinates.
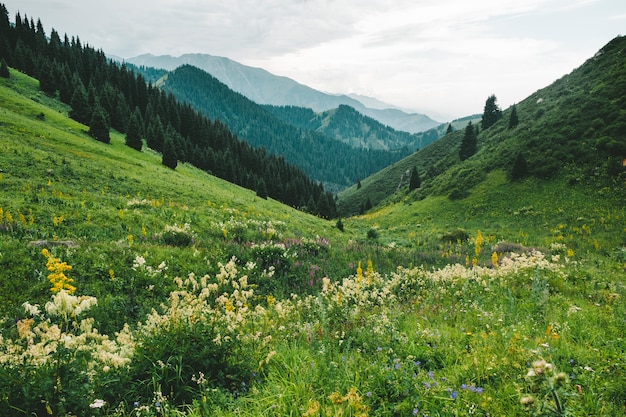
(289, 326)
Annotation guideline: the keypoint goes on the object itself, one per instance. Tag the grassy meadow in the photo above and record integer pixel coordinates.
(129, 289)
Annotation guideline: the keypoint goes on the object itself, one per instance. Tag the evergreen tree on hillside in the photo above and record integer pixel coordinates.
(468, 143)
(81, 111)
(450, 129)
(520, 167)
(4, 69)
(513, 119)
(98, 126)
(415, 182)
(134, 130)
(261, 189)
(47, 81)
(492, 112)
(169, 158)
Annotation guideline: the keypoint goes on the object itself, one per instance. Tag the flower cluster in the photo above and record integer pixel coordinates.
(57, 276)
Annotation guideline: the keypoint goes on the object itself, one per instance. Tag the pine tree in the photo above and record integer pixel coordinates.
(492, 112)
(98, 126)
(414, 182)
(134, 131)
(468, 143)
(169, 158)
(513, 120)
(261, 189)
(4, 69)
(520, 167)
(450, 129)
(47, 81)
(81, 111)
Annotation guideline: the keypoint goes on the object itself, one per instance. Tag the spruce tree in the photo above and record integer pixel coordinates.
(47, 81)
(134, 131)
(450, 129)
(492, 112)
(468, 143)
(98, 126)
(414, 182)
(169, 158)
(261, 189)
(520, 167)
(81, 111)
(4, 69)
(513, 120)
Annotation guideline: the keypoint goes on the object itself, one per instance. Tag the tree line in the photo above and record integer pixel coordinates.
(104, 94)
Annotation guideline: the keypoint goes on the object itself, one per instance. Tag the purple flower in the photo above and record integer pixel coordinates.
(416, 411)
(464, 386)
(431, 374)
(453, 395)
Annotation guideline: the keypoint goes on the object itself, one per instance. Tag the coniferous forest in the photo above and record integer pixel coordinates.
(104, 94)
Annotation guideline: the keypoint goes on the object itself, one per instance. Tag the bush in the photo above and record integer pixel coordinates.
(458, 235)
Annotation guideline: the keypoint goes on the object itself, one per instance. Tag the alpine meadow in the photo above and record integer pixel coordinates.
(153, 263)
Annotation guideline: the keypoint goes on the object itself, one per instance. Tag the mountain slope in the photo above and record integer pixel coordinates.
(574, 127)
(263, 87)
(347, 125)
(334, 163)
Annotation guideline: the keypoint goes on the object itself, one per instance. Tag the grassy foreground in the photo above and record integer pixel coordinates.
(208, 300)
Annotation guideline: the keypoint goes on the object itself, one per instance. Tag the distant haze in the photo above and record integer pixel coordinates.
(440, 58)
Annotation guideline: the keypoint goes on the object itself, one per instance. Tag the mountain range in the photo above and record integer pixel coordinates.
(264, 87)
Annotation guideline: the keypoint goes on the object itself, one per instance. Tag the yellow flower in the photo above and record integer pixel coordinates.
(369, 273)
(479, 242)
(494, 259)
(57, 276)
(359, 273)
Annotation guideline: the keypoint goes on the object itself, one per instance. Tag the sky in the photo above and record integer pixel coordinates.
(442, 58)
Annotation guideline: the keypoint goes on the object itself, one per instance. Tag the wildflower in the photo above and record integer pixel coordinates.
(97, 404)
(494, 259)
(479, 242)
(527, 401)
(359, 273)
(57, 276)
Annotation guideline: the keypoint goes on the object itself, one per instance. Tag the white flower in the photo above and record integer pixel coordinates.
(97, 404)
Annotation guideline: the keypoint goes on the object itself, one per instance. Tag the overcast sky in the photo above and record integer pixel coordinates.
(439, 57)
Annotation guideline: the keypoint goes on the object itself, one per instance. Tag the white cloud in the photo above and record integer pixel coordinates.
(447, 55)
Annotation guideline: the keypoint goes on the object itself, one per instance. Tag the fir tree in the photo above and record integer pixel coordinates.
(450, 129)
(414, 182)
(468, 143)
(261, 189)
(4, 69)
(169, 158)
(491, 113)
(98, 126)
(134, 131)
(47, 81)
(81, 112)
(520, 167)
(513, 120)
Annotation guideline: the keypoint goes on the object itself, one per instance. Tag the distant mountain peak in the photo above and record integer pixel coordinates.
(263, 87)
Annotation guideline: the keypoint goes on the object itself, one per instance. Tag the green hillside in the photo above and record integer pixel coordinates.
(209, 300)
(573, 128)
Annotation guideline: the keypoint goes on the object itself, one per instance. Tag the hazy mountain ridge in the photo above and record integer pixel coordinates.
(263, 87)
